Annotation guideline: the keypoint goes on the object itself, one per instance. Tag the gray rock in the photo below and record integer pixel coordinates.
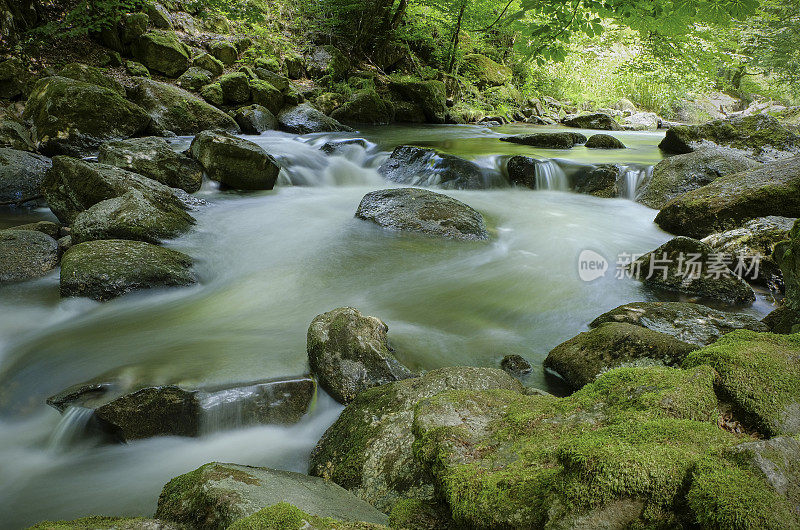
(224, 51)
(14, 135)
(305, 119)
(215, 495)
(417, 210)
(416, 166)
(515, 365)
(641, 121)
(152, 157)
(194, 78)
(46, 227)
(602, 180)
(552, 140)
(235, 88)
(255, 119)
(522, 171)
(149, 412)
(776, 460)
(21, 175)
(593, 121)
(26, 254)
(234, 162)
(604, 141)
(209, 63)
(327, 60)
(349, 353)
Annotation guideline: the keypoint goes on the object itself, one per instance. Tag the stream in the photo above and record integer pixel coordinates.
(268, 262)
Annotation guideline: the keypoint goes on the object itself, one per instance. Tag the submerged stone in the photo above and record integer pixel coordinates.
(417, 166)
(551, 140)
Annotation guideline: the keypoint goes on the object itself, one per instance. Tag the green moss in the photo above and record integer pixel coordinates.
(284, 516)
(95, 522)
(760, 374)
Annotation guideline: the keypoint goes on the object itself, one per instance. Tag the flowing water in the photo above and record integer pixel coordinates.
(268, 262)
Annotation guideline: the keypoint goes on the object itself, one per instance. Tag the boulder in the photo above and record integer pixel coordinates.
(136, 69)
(522, 171)
(90, 74)
(641, 121)
(177, 110)
(285, 516)
(604, 141)
(131, 27)
(367, 107)
(327, 60)
(761, 137)
(159, 16)
(278, 81)
(611, 345)
(235, 88)
(486, 72)
(686, 265)
(305, 119)
(598, 120)
(338, 147)
(216, 495)
(102, 522)
(690, 323)
(106, 269)
(552, 140)
(516, 365)
(349, 353)
(223, 51)
(757, 240)
(731, 200)
(153, 158)
(430, 96)
(208, 62)
(194, 78)
(21, 175)
(602, 180)
(787, 256)
(418, 210)
(783, 320)
(14, 135)
(295, 67)
(162, 52)
(46, 227)
(212, 93)
(255, 119)
(418, 166)
(368, 449)
(267, 95)
(74, 117)
(14, 75)
(759, 374)
(234, 162)
(407, 112)
(149, 412)
(131, 216)
(678, 174)
(26, 254)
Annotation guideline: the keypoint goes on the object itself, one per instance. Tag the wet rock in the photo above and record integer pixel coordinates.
(522, 171)
(131, 216)
(602, 180)
(152, 157)
(604, 141)
(731, 200)
(73, 117)
(515, 365)
(335, 147)
(327, 61)
(678, 174)
(209, 63)
(641, 121)
(777, 461)
(21, 175)
(280, 82)
(234, 162)
(46, 227)
(305, 119)
(368, 450)
(783, 320)
(417, 166)
(215, 495)
(255, 119)
(267, 95)
(14, 135)
(90, 74)
(235, 88)
(349, 353)
(685, 265)
(787, 256)
(692, 323)
(367, 107)
(487, 72)
(194, 78)
(285, 515)
(102, 522)
(223, 51)
(417, 210)
(162, 52)
(26, 254)
(555, 140)
(177, 110)
(106, 269)
(760, 136)
(149, 412)
(597, 120)
(758, 237)
(611, 345)
(430, 96)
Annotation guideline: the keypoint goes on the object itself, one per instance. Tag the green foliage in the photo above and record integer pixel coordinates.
(91, 16)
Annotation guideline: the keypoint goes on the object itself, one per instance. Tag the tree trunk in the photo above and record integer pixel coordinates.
(454, 41)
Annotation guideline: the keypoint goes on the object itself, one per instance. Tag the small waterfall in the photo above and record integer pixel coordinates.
(634, 179)
(73, 426)
(224, 409)
(550, 176)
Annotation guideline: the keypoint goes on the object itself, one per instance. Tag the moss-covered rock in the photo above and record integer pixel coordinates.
(177, 110)
(132, 26)
(212, 93)
(729, 201)
(149, 412)
(21, 175)
(266, 95)
(305, 119)
(235, 87)
(194, 78)
(423, 211)
(549, 140)
(760, 374)
(14, 75)
(485, 71)
(349, 353)
(90, 74)
(223, 51)
(136, 69)
(760, 136)
(417, 166)
(162, 52)
(279, 81)
(787, 255)
(103, 270)
(602, 180)
(15, 135)
(604, 141)
(284, 516)
(102, 522)
(522, 171)
(783, 320)
(159, 16)
(368, 450)
(234, 162)
(208, 63)
(692, 323)
(216, 495)
(327, 60)
(686, 265)
(610, 345)
(367, 107)
(430, 96)
(596, 120)
(26, 254)
(153, 158)
(74, 117)
(255, 119)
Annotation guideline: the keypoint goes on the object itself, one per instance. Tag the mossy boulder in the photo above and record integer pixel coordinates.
(74, 117)
(284, 516)
(132, 26)
(760, 375)
(679, 174)
(90, 74)
(131, 216)
(265, 94)
(787, 255)
(367, 107)
(15, 135)
(26, 254)
(223, 51)
(212, 93)
(604, 141)
(162, 52)
(305, 119)
(102, 522)
(255, 119)
(209, 63)
(521, 171)
(692, 323)
(731, 200)
(611, 345)
(596, 120)
(149, 412)
(153, 158)
(486, 72)
(194, 78)
(272, 64)
(177, 110)
(216, 495)
(368, 450)
(159, 16)
(516, 365)
(349, 353)
(422, 211)
(549, 140)
(21, 175)
(418, 166)
(689, 266)
(235, 87)
(783, 320)
(106, 269)
(760, 136)
(279, 81)
(14, 75)
(602, 180)
(234, 162)
(430, 96)
(327, 60)
(136, 69)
